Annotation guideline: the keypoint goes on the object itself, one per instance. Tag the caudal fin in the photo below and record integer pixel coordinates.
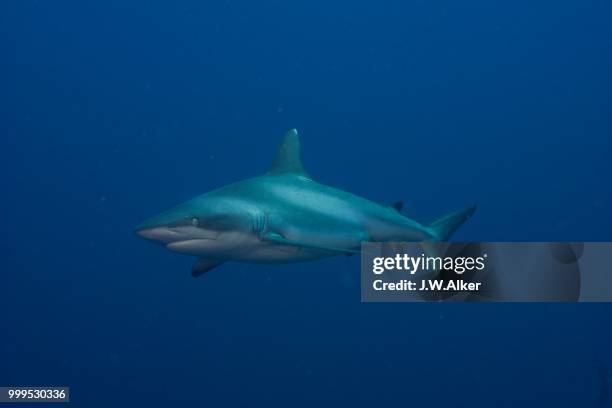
(444, 227)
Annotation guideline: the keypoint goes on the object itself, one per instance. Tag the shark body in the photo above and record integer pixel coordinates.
(284, 216)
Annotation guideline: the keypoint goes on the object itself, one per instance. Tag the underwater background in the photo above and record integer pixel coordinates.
(113, 111)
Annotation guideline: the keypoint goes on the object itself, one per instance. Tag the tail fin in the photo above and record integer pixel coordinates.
(444, 227)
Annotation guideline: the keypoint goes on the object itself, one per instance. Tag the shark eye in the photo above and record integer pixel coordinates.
(195, 221)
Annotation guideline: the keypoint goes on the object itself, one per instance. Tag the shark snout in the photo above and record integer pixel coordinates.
(163, 235)
(168, 235)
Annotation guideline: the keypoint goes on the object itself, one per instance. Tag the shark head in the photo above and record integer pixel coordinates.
(205, 225)
(220, 224)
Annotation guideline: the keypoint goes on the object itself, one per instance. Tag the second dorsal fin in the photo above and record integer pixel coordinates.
(288, 158)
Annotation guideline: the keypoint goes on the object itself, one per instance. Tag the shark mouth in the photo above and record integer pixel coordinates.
(175, 235)
(191, 246)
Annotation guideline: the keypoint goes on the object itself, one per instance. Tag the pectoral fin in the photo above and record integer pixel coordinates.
(275, 237)
(203, 265)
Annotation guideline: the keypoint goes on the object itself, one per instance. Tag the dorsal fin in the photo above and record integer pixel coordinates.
(398, 205)
(288, 158)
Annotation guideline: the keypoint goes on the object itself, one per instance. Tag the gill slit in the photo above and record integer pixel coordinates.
(260, 223)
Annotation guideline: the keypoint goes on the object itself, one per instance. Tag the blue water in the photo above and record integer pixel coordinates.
(115, 110)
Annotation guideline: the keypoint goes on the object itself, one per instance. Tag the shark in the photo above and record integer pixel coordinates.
(285, 216)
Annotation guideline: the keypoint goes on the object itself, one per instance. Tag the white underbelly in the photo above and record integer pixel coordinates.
(243, 247)
(274, 253)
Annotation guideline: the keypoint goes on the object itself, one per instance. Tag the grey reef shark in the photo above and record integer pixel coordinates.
(285, 216)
